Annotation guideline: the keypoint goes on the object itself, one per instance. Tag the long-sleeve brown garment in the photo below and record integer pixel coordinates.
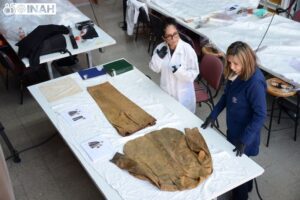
(168, 158)
(122, 113)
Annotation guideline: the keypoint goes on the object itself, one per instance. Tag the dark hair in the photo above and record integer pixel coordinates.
(246, 56)
(167, 22)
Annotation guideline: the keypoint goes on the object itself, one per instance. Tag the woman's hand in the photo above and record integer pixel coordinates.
(208, 121)
(239, 148)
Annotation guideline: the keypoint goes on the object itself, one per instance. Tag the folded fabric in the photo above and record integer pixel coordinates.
(91, 72)
(118, 67)
(168, 158)
(125, 116)
(60, 89)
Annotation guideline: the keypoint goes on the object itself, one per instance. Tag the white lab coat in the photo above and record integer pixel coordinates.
(132, 14)
(179, 84)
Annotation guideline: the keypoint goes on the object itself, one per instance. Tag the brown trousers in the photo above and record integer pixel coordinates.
(123, 114)
(167, 158)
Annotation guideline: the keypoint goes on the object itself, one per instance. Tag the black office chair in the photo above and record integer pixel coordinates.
(292, 109)
(142, 19)
(17, 68)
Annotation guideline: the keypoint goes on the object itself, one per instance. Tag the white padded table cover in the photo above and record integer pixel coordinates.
(229, 170)
(279, 53)
(194, 9)
(66, 14)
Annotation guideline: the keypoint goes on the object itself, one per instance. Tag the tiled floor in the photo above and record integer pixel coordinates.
(51, 172)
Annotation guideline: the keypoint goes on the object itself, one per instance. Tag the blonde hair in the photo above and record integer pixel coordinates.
(246, 56)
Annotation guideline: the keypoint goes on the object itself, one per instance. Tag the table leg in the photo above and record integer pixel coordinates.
(89, 59)
(50, 72)
(271, 119)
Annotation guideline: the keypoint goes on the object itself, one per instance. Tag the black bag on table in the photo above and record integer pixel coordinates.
(56, 43)
(32, 46)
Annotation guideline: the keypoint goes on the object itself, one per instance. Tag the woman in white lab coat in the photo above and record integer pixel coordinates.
(177, 62)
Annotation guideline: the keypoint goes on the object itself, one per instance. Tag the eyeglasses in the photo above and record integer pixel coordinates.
(171, 36)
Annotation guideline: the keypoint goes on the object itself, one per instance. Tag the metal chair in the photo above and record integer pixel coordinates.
(187, 39)
(296, 16)
(14, 153)
(195, 41)
(16, 66)
(211, 71)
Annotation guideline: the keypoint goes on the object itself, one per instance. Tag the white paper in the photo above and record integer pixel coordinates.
(75, 115)
(295, 63)
(98, 148)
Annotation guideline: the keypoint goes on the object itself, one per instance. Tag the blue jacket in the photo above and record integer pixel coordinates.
(246, 109)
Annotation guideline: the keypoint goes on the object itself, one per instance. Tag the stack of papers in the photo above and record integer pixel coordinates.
(75, 115)
(98, 148)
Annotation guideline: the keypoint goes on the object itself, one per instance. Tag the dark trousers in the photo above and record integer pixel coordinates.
(124, 12)
(241, 192)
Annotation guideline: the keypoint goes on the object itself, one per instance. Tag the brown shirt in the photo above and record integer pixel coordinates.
(168, 159)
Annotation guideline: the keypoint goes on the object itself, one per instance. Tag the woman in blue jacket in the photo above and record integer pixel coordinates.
(245, 101)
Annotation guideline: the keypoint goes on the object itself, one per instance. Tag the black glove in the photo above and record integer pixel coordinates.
(174, 68)
(239, 148)
(208, 121)
(162, 52)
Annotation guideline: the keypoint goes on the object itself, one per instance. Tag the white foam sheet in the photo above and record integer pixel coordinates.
(229, 171)
(66, 14)
(278, 51)
(226, 172)
(280, 46)
(194, 9)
